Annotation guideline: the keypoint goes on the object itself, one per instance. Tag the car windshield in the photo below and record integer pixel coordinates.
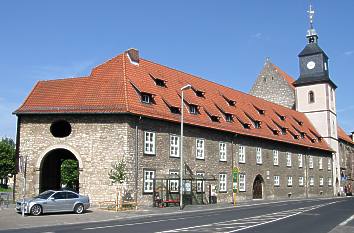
(45, 194)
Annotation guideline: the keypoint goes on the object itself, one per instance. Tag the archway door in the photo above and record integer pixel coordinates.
(50, 171)
(258, 187)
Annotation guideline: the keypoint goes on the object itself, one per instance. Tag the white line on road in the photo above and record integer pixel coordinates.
(346, 221)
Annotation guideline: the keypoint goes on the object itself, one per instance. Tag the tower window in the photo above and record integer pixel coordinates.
(311, 97)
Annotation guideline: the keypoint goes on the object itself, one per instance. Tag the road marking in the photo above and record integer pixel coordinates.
(346, 221)
(247, 223)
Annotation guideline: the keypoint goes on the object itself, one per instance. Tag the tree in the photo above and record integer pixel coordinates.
(118, 175)
(7, 157)
(69, 173)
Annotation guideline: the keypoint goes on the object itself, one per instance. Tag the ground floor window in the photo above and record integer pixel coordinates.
(242, 182)
(312, 181)
(290, 181)
(329, 181)
(321, 181)
(276, 181)
(200, 182)
(149, 176)
(301, 181)
(174, 184)
(222, 182)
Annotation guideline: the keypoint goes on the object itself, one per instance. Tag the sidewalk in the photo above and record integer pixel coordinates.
(10, 219)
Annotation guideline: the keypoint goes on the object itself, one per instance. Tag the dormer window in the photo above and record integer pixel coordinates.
(146, 98)
(283, 131)
(281, 117)
(214, 118)
(260, 111)
(275, 132)
(231, 102)
(302, 134)
(257, 124)
(193, 109)
(246, 125)
(199, 93)
(175, 110)
(228, 117)
(311, 97)
(160, 82)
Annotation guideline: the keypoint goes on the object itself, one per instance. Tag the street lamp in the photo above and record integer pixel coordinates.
(186, 87)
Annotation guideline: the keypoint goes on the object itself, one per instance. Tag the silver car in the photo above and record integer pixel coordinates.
(54, 201)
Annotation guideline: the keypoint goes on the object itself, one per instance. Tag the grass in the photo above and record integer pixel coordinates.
(5, 190)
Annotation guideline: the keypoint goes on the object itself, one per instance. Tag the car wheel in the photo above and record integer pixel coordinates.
(36, 210)
(79, 208)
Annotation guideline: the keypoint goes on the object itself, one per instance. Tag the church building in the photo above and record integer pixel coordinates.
(130, 109)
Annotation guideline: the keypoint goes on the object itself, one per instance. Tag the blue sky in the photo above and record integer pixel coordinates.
(222, 41)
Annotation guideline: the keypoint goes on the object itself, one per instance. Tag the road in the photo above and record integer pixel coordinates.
(315, 216)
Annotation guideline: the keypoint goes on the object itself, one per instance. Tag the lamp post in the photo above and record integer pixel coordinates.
(186, 87)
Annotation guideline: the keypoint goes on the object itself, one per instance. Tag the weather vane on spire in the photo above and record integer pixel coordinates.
(311, 13)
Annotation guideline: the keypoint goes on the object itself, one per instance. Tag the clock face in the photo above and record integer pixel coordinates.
(310, 65)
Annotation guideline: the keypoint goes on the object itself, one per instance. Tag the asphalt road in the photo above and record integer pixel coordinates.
(313, 216)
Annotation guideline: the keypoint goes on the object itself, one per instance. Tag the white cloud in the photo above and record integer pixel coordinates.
(258, 35)
(349, 53)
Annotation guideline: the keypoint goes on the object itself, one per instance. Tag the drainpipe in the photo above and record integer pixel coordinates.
(137, 161)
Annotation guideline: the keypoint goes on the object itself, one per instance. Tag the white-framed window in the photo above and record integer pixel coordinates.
(193, 109)
(290, 181)
(241, 154)
(312, 181)
(174, 146)
(199, 153)
(329, 164)
(145, 98)
(288, 159)
(320, 163)
(299, 158)
(310, 161)
(301, 181)
(259, 155)
(321, 181)
(222, 151)
(149, 176)
(174, 182)
(276, 181)
(222, 182)
(149, 143)
(242, 182)
(200, 182)
(275, 157)
(329, 181)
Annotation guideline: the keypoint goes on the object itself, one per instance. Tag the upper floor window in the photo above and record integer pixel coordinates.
(222, 151)
(174, 146)
(199, 149)
(241, 154)
(310, 161)
(149, 143)
(299, 157)
(288, 159)
(311, 97)
(320, 164)
(259, 155)
(275, 157)
(329, 164)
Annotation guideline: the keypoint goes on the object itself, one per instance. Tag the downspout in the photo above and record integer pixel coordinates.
(137, 161)
(16, 156)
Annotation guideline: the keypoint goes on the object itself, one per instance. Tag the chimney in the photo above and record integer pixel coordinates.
(352, 136)
(133, 55)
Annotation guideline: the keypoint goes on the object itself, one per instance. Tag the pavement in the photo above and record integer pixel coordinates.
(10, 219)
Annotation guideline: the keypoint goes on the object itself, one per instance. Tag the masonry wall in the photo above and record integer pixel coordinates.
(98, 141)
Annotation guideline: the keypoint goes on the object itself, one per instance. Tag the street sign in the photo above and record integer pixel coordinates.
(235, 172)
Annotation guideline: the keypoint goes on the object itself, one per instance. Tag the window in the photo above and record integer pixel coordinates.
(312, 181)
(228, 117)
(175, 110)
(299, 157)
(290, 181)
(174, 183)
(193, 109)
(242, 182)
(174, 146)
(320, 163)
(257, 124)
(241, 154)
(199, 154)
(310, 161)
(199, 93)
(59, 195)
(329, 164)
(329, 181)
(222, 182)
(275, 157)
(321, 181)
(301, 181)
(149, 176)
(311, 97)
(60, 129)
(276, 181)
(160, 82)
(145, 98)
(283, 131)
(222, 151)
(259, 155)
(200, 182)
(149, 143)
(288, 159)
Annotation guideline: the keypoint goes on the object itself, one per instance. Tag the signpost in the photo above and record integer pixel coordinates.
(23, 169)
(235, 172)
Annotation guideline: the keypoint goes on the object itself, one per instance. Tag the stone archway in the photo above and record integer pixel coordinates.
(258, 187)
(49, 169)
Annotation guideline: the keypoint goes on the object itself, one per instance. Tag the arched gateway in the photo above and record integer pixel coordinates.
(50, 168)
(258, 187)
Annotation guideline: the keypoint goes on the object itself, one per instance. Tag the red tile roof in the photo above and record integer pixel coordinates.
(342, 135)
(114, 86)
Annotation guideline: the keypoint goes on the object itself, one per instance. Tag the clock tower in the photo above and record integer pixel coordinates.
(315, 95)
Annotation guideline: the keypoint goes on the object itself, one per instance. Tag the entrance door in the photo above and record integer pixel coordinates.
(258, 187)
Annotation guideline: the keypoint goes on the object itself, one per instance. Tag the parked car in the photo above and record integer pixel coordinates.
(54, 201)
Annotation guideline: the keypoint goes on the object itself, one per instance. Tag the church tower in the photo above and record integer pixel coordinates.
(315, 94)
